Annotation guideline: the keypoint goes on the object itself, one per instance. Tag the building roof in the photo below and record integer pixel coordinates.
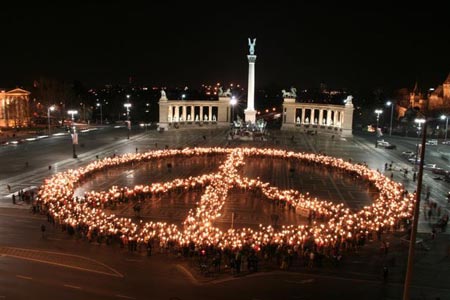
(18, 91)
(447, 81)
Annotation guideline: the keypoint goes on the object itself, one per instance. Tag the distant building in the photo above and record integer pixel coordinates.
(437, 99)
(14, 108)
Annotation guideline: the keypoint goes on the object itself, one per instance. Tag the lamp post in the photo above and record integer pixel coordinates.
(127, 106)
(378, 112)
(391, 104)
(419, 123)
(74, 132)
(412, 239)
(444, 117)
(233, 102)
(51, 108)
(101, 113)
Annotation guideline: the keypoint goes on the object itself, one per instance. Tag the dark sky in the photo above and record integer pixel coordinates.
(175, 44)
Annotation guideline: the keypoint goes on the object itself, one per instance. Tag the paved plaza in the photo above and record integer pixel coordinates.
(358, 273)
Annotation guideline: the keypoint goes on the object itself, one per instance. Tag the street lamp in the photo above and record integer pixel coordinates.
(412, 239)
(233, 102)
(101, 113)
(444, 117)
(378, 112)
(127, 106)
(419, 123)
(183, 96)
(51, 108)
(74, 132)
(391, 104)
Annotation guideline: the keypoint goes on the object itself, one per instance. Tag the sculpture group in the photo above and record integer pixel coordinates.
(227, 93)
(289, 94)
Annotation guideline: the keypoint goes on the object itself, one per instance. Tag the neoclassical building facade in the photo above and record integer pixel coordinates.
(174, 114)
(336, 119)
(14, 108)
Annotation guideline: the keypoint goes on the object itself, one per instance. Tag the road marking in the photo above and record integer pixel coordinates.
(114, 272)
(72, 286)
(188, 273)
(124, 297)
(55, 239)
(301, 281)
(24, 277)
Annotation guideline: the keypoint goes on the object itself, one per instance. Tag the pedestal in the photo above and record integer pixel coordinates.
(250, 116)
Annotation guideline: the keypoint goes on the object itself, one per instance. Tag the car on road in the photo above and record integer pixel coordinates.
(408, 154)
(446, 142)
(386, 145)
(432, 142)
(430, 167)
(440, 171)
(413, 160)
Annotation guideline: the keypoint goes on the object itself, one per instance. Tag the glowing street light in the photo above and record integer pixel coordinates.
(127, 106)
(378, 112)
(444, 117)
(233, 102)
(74, 132)
(51, 108)
(391, 104)
(101, 113)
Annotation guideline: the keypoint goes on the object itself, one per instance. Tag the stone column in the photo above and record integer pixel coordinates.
(303, 115)
(250, 113)
(348, 117)
(210, 113)
(328, 117)
(201, 112)
(320, 117)
(192, 112)
(311, 119)
(184, 113)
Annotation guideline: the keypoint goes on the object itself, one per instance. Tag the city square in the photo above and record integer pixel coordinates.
(159, 151)
(249, 212)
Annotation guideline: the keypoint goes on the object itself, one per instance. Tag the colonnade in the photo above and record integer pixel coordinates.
(189, 113)
(323, 117)
(14, 108)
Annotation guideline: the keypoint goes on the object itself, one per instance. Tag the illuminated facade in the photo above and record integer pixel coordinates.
(174, 114)
(335, 119)
(14, 108)
(437, 99)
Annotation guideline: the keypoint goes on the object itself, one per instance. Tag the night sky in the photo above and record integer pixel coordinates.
(184, 44)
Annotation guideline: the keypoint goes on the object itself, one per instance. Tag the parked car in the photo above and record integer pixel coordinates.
(432, 142)
(446, 142)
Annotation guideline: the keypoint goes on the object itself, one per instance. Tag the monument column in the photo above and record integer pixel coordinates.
(347, 120)
(201, 112)
(250, 113)
(210, 113)
(321, 117)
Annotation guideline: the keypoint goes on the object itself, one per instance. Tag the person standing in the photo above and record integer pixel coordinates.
(385, 273)
(43, 231)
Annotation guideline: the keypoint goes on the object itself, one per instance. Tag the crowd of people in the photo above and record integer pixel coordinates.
(332, 230)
